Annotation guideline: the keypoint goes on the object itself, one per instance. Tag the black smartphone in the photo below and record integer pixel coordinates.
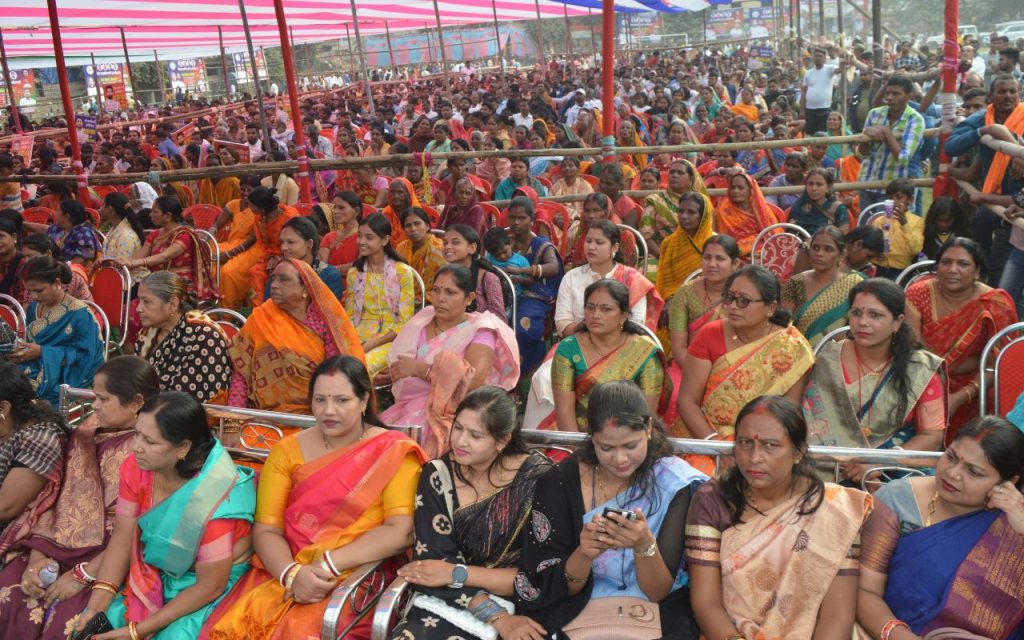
(628, 515)
(99, 624)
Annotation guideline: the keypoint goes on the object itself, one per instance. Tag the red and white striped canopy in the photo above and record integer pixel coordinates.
(177, 27)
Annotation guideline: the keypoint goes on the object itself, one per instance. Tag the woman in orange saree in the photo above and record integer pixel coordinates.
(284, 340)
(744, 212)
(331, 497)
(232, 229)
(955, 315)
(401, 197)
(753, 351)
(217, 192)
(270, 218)
(183, 193)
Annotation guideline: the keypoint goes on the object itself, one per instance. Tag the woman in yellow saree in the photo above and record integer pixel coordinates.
(681, 250)
(284, 340)
(819, 298)
(330, 498)
(753, 351)
(609, 346)
(660, 219)
(421, 249)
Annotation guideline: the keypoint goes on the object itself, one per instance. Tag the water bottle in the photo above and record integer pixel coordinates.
(48, 574)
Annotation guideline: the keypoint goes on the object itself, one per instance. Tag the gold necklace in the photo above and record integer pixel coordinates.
(601, 489)
(327, 447)
(931, 510)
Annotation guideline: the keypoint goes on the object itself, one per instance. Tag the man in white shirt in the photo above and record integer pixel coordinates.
(523, 117)
(816, 94)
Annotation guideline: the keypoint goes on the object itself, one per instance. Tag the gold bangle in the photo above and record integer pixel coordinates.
(133, 630)
(104, 586)
(573, 579)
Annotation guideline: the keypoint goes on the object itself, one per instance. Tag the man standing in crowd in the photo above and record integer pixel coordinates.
(816, 96)
(1001, 174)
(896, 131)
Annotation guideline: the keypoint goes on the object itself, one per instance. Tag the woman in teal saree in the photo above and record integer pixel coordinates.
(62, 341)
(193, 510)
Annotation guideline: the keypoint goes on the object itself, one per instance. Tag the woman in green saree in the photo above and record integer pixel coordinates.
(609, 346)
(182, 531)
(819, 297)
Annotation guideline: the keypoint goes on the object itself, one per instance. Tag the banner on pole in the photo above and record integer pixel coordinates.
(86, 126)
(115, 97)
(243, 71)
(188, 74)
(240, 148)
(22, 146)
(23, 83)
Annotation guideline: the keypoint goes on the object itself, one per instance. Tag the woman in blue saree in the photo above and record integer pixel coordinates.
(62, 340)
(540, 282)
(192, 509)
(941, 556)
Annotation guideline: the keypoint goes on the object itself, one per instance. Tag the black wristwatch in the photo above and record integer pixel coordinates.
(459, 576)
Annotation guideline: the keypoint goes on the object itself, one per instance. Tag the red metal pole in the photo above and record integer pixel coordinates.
(950, 63)
(293, 101)
(608, 77)
(10, 89)
(69, 109)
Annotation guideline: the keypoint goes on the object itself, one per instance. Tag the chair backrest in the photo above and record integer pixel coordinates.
(493, 213)
(203, 215)
(831, 335)
(1002, 361)
(693, 276)
(868, 213)
(227, 319)
(512, 308)
(214, 250)
(369, 210)
(915, 272)
(94, 216)
(111, 290)
(421, 289)
(104, 324)
(13, 314)
(776, 248)
(432, 213)
(303, 208)
(593, 181)
(39, 215)
(544, 181)
(641, 247)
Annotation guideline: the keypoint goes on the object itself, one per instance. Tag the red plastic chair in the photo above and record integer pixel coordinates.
(94, 216)
(303, 208)
(39, 215)
(111, 290)
(435, 217)
(369, 210)
(561, 218)
(493, 213)
(593, 181)
(544, 181)
(203, 215)
(13, 314)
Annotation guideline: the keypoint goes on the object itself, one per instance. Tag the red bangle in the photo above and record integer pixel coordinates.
(891, 626)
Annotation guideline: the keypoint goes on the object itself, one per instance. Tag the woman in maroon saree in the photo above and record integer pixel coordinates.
(74, 531)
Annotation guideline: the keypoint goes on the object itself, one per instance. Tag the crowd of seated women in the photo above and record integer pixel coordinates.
(137, 518)
(332, 298)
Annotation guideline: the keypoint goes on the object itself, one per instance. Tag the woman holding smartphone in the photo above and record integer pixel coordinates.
(603, 554)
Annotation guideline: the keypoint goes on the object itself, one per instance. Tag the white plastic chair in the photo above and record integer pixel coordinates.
(915, 272)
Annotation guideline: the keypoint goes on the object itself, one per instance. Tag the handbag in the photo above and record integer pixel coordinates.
(616, 618)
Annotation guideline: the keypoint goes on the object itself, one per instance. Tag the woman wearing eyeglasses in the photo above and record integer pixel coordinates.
(753, 351)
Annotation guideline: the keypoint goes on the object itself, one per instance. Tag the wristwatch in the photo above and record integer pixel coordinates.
(459, 576)
(649, 551)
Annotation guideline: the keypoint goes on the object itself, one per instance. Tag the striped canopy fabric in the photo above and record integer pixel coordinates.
(190, 26)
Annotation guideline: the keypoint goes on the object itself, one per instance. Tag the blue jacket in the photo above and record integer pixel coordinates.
(965, 137)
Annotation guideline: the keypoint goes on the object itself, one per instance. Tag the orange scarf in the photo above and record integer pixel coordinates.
(1000, 162)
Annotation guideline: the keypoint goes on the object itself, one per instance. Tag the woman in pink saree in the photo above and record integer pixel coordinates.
(442, 354)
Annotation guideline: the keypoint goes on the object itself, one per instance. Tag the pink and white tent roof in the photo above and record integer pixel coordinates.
(190, 27)
(91, 26)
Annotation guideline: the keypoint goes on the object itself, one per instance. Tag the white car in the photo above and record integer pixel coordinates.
(1003, 27)
(1013, 33)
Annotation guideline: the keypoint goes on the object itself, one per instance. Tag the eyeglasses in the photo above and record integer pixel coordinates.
(741, 302)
